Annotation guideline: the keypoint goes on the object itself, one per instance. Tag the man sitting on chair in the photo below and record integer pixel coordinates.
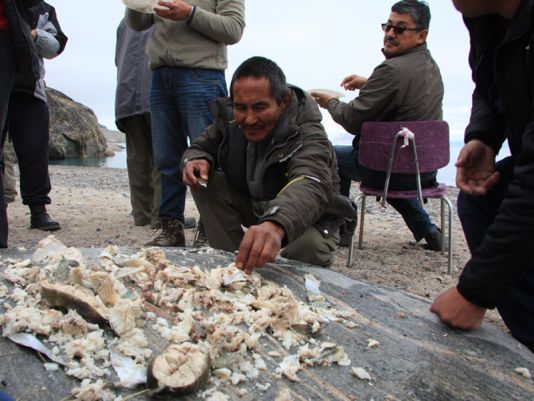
(267, 164)
(407, 86)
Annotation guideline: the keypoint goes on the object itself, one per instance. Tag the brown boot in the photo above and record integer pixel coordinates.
(172, 234)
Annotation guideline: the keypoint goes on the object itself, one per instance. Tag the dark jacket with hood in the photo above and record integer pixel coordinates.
(19, 26)
(300, 180)
(502, 59)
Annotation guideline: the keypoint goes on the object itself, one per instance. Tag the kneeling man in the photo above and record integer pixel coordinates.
(267, 164)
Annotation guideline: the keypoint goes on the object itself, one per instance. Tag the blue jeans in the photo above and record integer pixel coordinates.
(415, 217)
(476, 215)
(179, 104)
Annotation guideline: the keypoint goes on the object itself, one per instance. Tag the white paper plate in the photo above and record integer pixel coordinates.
(143, 6)
(327, 92)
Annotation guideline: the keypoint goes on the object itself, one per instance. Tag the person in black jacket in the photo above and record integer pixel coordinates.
(17, 54)
(28, 119)
(496, 202)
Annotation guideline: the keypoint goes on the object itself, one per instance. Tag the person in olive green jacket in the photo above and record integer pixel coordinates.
(267, 164)
(406, 86)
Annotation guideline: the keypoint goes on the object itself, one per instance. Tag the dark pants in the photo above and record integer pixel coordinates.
(415, 217)
(7, 67)
(476, 215)
(28, 124)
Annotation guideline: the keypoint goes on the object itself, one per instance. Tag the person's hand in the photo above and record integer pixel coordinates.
(34, 34)
(475, 172)
(260, 245)
(456, 311)
(176, 10)
(321, 98)
(195, 170)
(353, 82)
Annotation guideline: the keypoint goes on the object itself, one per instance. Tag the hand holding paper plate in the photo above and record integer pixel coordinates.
(143, 6)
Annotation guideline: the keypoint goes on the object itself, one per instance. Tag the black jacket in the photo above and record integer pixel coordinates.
(502, 59)
(20, 27)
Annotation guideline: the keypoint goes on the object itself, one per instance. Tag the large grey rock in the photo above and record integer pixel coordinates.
(418, 358)
(74, 129)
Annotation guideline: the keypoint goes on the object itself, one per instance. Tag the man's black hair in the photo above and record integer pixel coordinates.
(419, 11)
(261, 67)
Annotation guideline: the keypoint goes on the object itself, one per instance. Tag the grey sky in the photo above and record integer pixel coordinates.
(316, 44)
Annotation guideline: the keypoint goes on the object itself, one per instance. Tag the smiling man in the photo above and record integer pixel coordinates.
(407, 86)
(267, 164)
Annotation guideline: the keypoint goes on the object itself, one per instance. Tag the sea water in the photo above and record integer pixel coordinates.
(446, 175)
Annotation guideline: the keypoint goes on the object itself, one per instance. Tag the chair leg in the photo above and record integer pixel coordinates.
(351, 246)
(362, 221)
(445, 200)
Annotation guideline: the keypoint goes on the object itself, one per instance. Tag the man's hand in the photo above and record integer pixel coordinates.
(176, 10)
(195, 170)
(475, 172)
(259, 246)
(353, 82)
(456, 311)
(321, 98)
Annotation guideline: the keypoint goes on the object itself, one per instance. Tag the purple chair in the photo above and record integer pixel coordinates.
(409, 147)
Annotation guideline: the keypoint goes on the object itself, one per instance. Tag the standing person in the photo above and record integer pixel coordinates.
(267, 164)
(496, 202)
(28, 119)
(188, 56)
(132, 116)
(17, 53)
(406, 86)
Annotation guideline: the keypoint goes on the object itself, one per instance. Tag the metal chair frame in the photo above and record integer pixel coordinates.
(421, 195)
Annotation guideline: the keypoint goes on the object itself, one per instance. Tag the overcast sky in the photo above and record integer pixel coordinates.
(317, 43)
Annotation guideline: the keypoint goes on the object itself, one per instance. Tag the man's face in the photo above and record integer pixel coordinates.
(255, 108)
(396, 44)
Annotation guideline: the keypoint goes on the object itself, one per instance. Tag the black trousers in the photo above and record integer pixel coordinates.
(28, 127)
(7, 67)
(476, 215)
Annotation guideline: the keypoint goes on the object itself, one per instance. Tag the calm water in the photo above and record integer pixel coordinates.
(446, 175)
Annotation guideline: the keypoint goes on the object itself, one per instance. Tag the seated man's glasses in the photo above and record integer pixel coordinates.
(399, 30)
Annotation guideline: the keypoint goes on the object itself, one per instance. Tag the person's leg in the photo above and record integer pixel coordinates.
(10, 181)
(224, 210)
(313, 248)
(28, 124)
(415, 217)
(476, 215)
(7, 68)
(139, 165)
(349, 170)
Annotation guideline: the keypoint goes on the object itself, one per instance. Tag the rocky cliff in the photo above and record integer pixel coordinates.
(74, 129)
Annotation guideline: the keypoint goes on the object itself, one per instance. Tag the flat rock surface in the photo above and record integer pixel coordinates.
(417, 358)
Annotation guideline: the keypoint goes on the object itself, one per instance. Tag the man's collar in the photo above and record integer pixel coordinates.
(414, 49)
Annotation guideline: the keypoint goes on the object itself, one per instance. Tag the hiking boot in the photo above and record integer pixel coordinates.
(200, 239)
(433, 240)
(171, 234)
(41, 220)
(346, 231)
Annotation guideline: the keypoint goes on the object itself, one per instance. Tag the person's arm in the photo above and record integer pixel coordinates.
(225, 25)
(508, 247)
(309, 190)
(376, 97)
(205, 147)
(138, 21)
(49, 39)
